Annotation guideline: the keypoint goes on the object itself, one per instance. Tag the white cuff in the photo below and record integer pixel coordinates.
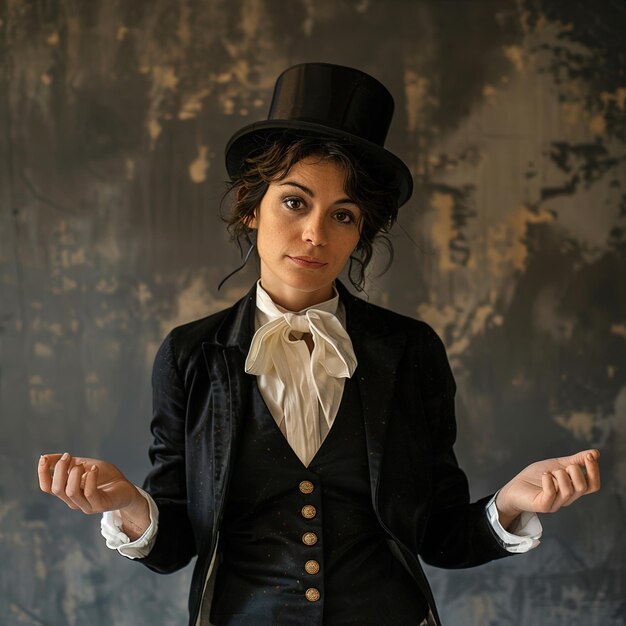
(525, 533)
(111, 529)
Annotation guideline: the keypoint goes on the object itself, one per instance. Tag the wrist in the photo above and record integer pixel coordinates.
(506, 513)
(135, 516)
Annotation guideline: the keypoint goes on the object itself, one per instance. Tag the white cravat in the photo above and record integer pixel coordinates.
(298, 384)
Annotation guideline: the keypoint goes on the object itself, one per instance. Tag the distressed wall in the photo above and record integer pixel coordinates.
(113, 118)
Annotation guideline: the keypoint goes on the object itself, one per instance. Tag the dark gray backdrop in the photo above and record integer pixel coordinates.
(113, 118)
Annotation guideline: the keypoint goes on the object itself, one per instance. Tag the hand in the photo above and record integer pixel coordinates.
(546, 486)
(91, 485)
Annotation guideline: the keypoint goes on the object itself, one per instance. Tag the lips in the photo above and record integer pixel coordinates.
(307, 261)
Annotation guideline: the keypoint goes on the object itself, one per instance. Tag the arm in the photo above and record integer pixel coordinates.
(457, 533)
(174, 545)
(460, 534)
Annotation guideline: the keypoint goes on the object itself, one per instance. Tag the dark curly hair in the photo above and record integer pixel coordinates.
(371, 188)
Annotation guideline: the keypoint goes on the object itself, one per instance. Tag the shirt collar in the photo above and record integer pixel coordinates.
(271, 310)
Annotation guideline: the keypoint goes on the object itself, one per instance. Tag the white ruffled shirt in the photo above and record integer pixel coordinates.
(301, 388)
(279, 358)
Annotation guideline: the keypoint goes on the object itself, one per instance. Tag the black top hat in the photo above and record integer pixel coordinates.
(332, 101)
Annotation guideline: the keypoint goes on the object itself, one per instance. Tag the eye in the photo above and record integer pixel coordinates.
(345, 217)
(293, 203)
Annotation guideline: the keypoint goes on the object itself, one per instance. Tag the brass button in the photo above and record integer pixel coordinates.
(311, 567)
(306, 486)
(312, 594)
(308, 511)
(309, 539)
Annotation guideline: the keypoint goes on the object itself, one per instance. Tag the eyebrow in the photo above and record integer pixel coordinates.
(309, 192)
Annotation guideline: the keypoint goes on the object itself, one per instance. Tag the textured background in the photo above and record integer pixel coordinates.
(113, 118)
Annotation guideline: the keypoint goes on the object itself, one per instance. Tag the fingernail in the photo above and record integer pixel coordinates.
(42, 459)
(65, 456)
(93, 468)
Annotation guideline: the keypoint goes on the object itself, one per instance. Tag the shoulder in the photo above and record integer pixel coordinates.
(378, 319)
(198, 331)
(229, 327)
(423, 351)
(182, 346)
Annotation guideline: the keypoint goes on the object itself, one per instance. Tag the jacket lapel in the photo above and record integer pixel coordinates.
(225, 358)
(378, 348)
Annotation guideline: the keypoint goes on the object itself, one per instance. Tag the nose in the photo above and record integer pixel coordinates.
(314, 232)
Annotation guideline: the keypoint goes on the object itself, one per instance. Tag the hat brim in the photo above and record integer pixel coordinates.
(254, 137)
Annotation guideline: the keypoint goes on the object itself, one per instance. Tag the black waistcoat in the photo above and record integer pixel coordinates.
(283, 522)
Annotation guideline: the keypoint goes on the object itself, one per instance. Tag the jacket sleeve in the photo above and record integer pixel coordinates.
(166, 483)
(457, 533)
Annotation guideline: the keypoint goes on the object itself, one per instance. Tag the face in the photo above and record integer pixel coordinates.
(307, 227)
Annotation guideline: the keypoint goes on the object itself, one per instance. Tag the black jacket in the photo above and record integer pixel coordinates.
(419, 493)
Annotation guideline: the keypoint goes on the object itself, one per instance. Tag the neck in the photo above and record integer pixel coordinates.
(298, 300)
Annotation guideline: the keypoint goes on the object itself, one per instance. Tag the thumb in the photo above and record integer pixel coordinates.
(579, 457)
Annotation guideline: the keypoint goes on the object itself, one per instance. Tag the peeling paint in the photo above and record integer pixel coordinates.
(618, 97)
(154, 131)
(41, 569)
(506, 245)
(579, 423)
(65, 285)
(597, 124)
(619, 329)
(43, 350)
(251, 15)
(130, 169)
(164, 80)
(416, 95)
(41, 397)
(516, 55)
(573, 112)
(483, 610)
(618, 420)
(53, 39)
(198, 168)
(481, 315)
(442, 234)
(192, 104)
(489, 92)
(143, 293)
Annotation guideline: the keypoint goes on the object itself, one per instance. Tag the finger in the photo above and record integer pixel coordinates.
(579, 457)
(592, 468)
(578, 479)
(73, 489)
(58, 473)
(59, 480)
(565, 489)
(92, 493)
(45, 470)
(548, 492)
(43, 473)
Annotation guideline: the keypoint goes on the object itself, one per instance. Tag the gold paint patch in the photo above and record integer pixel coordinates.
(199, 167)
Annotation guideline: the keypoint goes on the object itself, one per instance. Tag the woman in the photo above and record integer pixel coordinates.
(303, 438)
